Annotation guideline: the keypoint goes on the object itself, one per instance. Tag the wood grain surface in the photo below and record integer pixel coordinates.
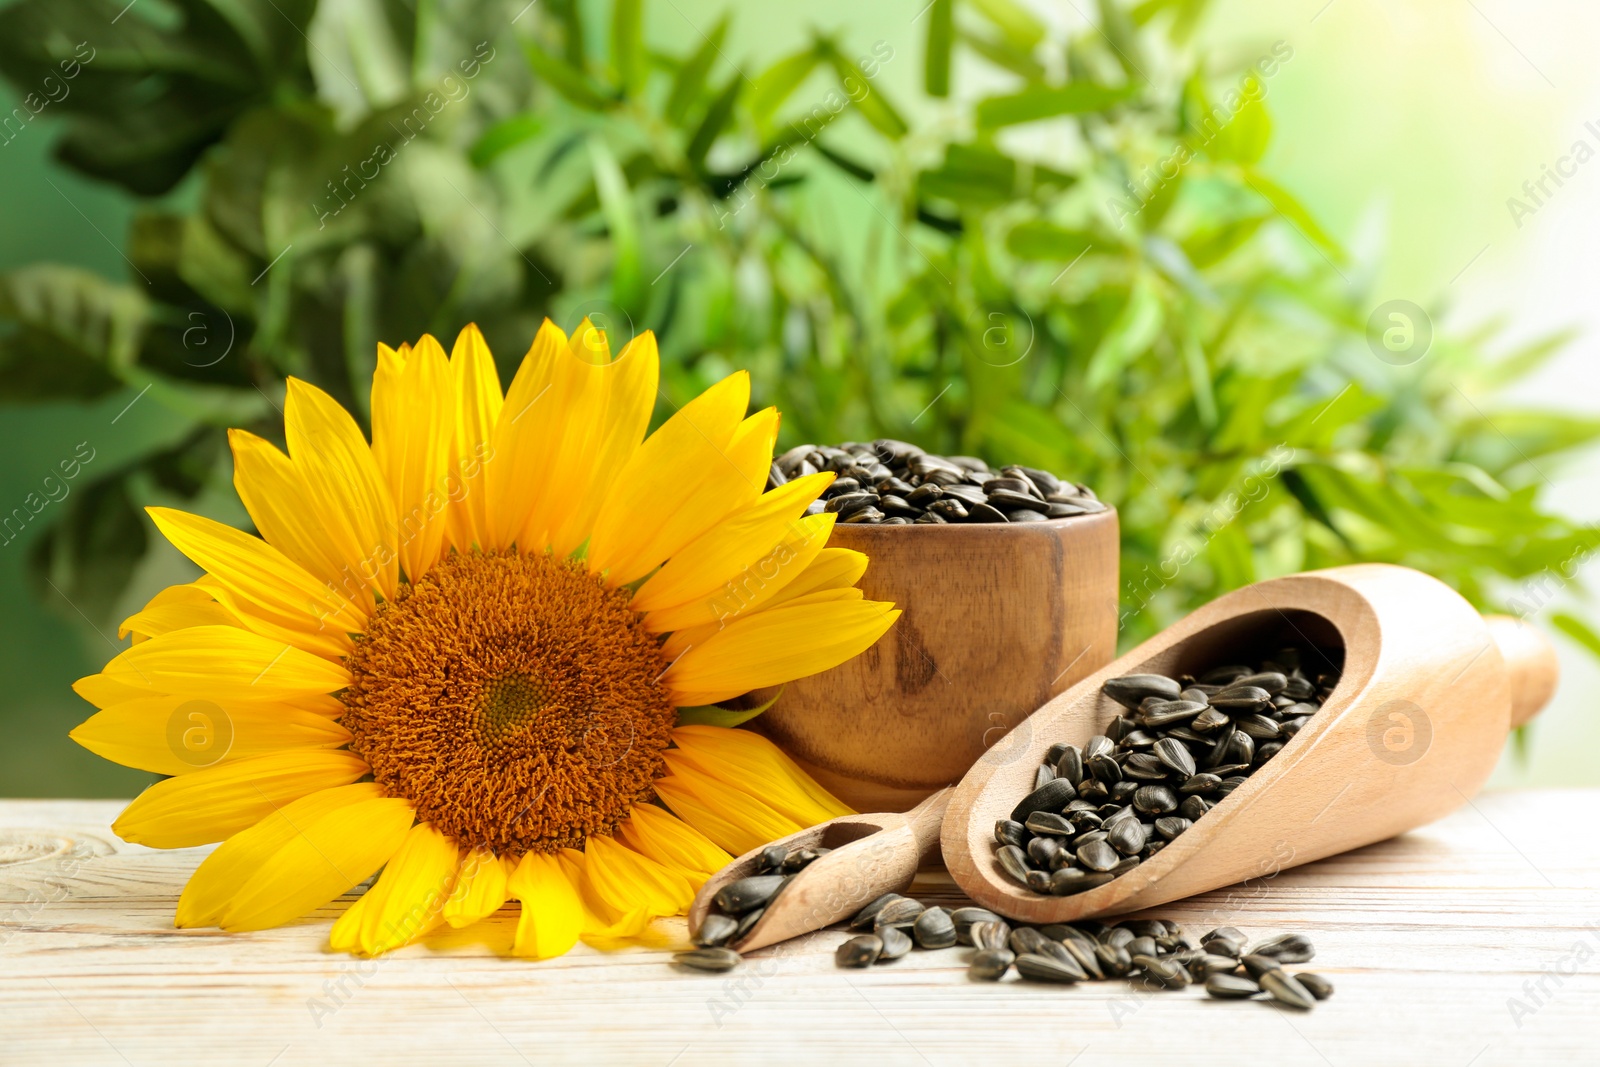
(1468, 943)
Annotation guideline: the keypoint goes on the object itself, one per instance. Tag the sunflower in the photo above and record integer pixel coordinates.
(461, 654)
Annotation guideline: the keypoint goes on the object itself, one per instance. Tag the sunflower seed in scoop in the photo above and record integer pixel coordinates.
(1049, 822)
(715, 930)
(1130, 689)
(1014, 862)
(1098, 856)
(1052, 796)
(1175, 754)
(708, 959)
(746, 894)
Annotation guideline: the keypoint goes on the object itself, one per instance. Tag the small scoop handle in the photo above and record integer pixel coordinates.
(1531, 665)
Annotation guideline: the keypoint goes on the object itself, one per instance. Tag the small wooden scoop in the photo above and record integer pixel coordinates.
(1427, 692)
(872, 855)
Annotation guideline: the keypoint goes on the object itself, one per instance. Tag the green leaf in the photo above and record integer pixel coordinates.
(1120, 34)
(1578, 630)
(145, 92)
(1003, 54)
(1036, 239)
(1285, 204)
(718, 114)
(712, 715)
(691, 78)
(1129, 336)
(627, 272)
(87, 556)
(503, 136)
(936, 59)
(1044, 102)
(1014, 21)
(971, 175)
(73, 334)
(567, 80)
(1243, 138)
(627, 45)
(867, 98)
(779, 81)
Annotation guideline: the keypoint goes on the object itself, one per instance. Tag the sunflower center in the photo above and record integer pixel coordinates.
(513, 699)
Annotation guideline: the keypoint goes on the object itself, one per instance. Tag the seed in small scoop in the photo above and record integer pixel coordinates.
(743, 895)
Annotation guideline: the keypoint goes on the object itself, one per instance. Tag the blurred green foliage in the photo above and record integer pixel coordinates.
(1063, 252)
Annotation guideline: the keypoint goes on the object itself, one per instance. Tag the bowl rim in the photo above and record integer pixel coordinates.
(1001, 528)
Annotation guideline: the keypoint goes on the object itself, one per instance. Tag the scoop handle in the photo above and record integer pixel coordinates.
(1531, 665)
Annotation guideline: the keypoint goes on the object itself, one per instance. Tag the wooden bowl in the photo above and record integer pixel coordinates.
(998, 619)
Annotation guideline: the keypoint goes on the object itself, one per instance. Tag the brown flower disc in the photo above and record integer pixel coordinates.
(514, 699)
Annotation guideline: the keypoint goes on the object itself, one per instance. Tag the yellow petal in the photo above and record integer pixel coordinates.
(173, 608)
(164, 618)
(225, 663)
(594, 450)
(329, 856)
(777, 645)
(478, 403)
(409, 896)
(834, 568)
(679, 483)
(757, 576)
(682, 641)
(345, 936)
(276, 498)
(754, 764)
(734, 820)
(343, 485)
(667, 839)
(751, 534)
(552, 913)
(480, 888)
(217, 802)
(627, 880)
(183, 734)
(269, 592)
(413, 424)
(103, 692)
(528, 435)
(224, 873)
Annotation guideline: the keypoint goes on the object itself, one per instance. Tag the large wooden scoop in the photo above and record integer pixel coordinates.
(871, 855)
(1428, 690)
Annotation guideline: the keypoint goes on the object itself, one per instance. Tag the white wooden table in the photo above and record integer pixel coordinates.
(1472, 942)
